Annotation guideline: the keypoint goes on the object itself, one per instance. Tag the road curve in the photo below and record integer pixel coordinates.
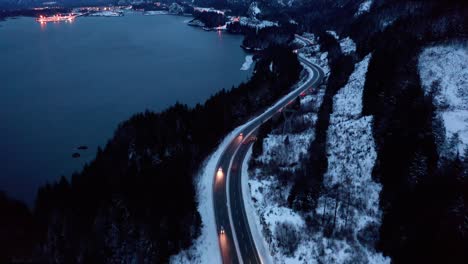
(236, 243)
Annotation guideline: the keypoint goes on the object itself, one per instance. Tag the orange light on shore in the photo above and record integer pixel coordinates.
(55, 18)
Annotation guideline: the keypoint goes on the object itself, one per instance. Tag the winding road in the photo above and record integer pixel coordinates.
(235, 238)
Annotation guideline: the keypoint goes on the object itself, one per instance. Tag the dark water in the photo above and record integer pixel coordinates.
(70, 84)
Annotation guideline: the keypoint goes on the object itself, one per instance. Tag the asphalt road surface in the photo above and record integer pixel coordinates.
(236, 243)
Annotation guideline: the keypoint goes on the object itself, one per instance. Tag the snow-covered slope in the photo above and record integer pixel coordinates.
(350, 204)
(443, 71)
(206, 248)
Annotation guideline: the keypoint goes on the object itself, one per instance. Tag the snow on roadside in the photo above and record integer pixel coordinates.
(206, 248)
(312, 53)
(444, 72)
(268, 194)
(247, 63)
(253, 219)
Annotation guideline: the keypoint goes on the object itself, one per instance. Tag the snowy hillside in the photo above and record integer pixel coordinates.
(350, 205)
(444, 72)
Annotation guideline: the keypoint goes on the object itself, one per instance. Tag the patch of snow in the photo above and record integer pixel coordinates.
(206, 248)
(311, 52)
(347, 103)
(208, 9)
(254, 10)
(275, 150)
(248, 63)
(107, 14)
(320, 59)
(385, 23)
(175, 8)
(444, 73)
(364, 7)
(255, 23)
(347, 45)
(156, 12)
(334, 34)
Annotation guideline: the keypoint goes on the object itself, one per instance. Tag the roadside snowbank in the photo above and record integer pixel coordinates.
(254, 220)
(312, 53)
(444, 72)
(206, 248)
